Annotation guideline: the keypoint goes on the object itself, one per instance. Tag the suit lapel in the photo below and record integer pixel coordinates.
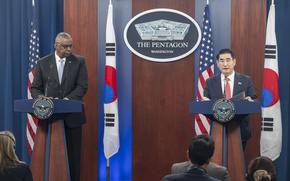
(238, 84)
(53, 68)
(219, 87)
(66, 69)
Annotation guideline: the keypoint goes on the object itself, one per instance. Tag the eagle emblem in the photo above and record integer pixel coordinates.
(42, 107)
(223, 110)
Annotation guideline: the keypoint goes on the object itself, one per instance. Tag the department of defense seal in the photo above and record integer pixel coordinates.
(223, 110)
(42, 108)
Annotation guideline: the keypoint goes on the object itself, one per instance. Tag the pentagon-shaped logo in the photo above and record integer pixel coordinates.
(162, 35)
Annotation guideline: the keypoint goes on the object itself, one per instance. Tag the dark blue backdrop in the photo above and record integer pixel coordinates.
(283, 41)
(15, 17)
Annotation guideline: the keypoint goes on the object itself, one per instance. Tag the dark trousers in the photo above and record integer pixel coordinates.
(73, 142)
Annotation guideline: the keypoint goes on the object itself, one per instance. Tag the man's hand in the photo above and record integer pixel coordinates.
(205, 99)
(248, 98)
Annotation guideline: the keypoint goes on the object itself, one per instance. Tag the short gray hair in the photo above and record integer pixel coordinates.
(62, 35)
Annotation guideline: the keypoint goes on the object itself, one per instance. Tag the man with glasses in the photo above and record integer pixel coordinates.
(63, 75)
(230, 84)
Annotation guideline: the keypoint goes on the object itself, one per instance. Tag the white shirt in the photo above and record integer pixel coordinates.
(58, 60)
(231, 81)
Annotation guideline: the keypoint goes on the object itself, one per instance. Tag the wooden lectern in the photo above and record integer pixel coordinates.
(227, 137)
(49, 158)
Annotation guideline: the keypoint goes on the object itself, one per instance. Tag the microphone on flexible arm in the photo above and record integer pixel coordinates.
(47, 82)
(46, 86)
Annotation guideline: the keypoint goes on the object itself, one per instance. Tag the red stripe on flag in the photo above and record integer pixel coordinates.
(202, 80)
(31, 132)
(200, 124)
(210, 72)
(199, 97)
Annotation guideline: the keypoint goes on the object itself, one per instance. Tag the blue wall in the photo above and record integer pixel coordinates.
(15, 17)
(121, 163)
(283, 43)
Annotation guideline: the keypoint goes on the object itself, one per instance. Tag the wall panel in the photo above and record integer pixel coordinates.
(80, 20)
(248, 41)
(162, 124)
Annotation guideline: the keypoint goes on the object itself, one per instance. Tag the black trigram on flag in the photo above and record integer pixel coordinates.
(110, 120)
(267, 124)
(270, 51)
(110, 49)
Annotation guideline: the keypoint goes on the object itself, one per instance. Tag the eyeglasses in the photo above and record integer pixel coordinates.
(66, 46)
(227, 60)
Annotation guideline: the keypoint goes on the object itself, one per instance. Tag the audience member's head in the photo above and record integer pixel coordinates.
(200, 150)
(261, 169)
(8, 157)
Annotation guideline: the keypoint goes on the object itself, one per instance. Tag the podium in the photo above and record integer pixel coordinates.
(49, 158)
(227, 137)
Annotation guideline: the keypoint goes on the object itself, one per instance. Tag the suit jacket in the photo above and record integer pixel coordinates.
(243, 85)
(74, 83)
(213, 170)
(192, 173)
(19, 173)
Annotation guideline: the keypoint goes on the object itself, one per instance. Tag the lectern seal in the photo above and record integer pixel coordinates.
(43, 107)
(223, 110)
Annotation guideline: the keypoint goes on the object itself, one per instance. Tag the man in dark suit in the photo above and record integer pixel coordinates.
(232, 84)
(63, 75)
(199, 152)
(213, 170)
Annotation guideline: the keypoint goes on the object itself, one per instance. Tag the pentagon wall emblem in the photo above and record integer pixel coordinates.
(162, 30)
(42, 108)
(223, 110)
(162, 35)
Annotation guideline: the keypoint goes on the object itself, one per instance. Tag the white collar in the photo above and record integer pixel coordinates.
(58, 59)
(231, 77)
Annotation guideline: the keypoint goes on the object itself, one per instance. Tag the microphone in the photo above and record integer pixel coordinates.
(47, 82)
(46, 86)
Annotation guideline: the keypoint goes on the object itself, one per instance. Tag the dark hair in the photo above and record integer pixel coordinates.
(223, 51)
(261, 169)
(200, 150)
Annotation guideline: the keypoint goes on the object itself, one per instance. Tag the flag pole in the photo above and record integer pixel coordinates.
(108, 168)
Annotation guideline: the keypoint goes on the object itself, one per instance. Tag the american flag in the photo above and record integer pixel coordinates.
(32, 122)
(206, 70)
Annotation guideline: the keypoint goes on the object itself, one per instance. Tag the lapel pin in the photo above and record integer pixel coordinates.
(239, 83)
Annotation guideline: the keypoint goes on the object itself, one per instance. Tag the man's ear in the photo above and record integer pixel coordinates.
(234, 61)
